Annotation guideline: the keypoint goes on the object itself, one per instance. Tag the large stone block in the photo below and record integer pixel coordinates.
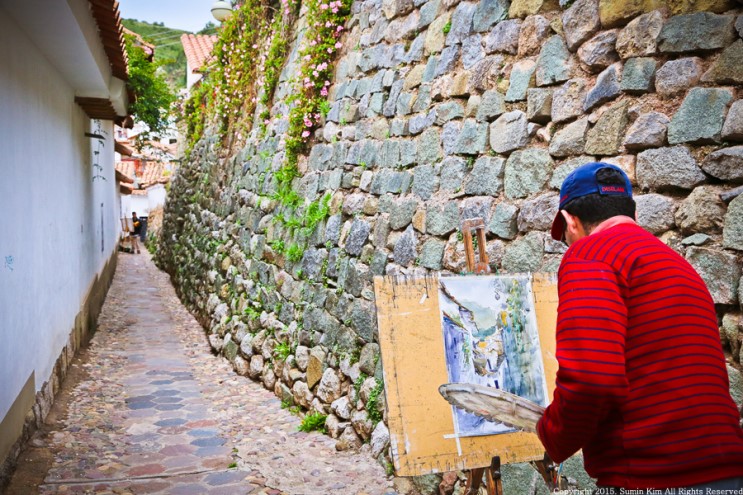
(554, 64)
(648, 131)
(509, 132)
(357, 237)
(488, 12)
(435, 36)
(486, 177)
(676, 76)
(719, 270)
(522, 76)
(570, 140)
(567, 100)
(472, 139)
(537, 213)
(606, 88)
(700, 117)
(701, 212)
(461, 23)
(504, 221)
(605, 138)
(733, 128)
(655, 212)
(615, 12)
(638, 75)
(668, 168)
(527, 172)
(638, 38)
(442, 220)
(539, 105)
(725, 164)
(534, 31)
(492, 104)
(728, 68)
(732, 234)
(523, 8)
(695, 32)
(405, 248)
(432, 253)
(504, 37)
(599, 53)
(580, 22)
(424, 181)
(525, 254)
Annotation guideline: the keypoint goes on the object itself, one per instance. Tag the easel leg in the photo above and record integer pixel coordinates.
(474, 480)
(495, 485)
(550, 473)
(493, 482)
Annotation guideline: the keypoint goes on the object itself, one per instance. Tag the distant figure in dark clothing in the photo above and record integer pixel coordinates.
(134, 235)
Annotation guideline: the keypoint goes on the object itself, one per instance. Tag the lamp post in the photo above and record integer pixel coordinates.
(221, 10)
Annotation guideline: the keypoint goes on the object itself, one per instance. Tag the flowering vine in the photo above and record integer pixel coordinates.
(326, 19)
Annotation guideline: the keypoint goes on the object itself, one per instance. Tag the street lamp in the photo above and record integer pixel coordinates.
(221, 10)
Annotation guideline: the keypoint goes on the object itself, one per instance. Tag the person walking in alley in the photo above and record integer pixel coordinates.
(642, 385)
(134, 234)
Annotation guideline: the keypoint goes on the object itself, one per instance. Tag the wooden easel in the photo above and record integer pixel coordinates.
(545, 467)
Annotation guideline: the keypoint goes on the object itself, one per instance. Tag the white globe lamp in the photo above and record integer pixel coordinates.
(221, 10)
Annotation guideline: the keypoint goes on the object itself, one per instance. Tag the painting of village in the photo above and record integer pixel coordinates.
(491, 338)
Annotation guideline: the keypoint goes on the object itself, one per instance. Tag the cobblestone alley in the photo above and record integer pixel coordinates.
(149, 409)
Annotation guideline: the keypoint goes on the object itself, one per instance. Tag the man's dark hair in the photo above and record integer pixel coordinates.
(593, 209)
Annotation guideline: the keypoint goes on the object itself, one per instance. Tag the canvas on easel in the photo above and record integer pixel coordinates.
(491, 339)
(424, 435)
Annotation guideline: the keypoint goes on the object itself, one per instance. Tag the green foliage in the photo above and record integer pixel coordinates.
(295, 253)
(154, 97)
(312, 422)
(169, 54)
(372, 405)
(447, 27)
(252, 313)
(357, 385)
(277, 245)
(282, 351)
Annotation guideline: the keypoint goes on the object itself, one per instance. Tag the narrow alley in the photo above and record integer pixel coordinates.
(148, 409)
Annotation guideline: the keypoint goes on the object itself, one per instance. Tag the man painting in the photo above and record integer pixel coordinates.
(642, 385)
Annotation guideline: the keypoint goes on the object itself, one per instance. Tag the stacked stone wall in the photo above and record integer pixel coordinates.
(444, 110)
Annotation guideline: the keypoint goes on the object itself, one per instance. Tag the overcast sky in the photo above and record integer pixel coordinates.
(189, 15)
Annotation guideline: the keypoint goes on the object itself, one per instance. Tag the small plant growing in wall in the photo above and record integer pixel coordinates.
(313, 422)
(447, 27)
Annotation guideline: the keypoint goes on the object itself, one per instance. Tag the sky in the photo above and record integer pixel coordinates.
(188, 15)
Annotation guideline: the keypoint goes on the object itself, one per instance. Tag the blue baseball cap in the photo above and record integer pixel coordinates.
(582, 182)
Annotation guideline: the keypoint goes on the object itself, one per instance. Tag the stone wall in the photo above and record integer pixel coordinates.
(444, 110)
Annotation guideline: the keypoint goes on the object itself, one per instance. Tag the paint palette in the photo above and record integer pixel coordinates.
(494, 405)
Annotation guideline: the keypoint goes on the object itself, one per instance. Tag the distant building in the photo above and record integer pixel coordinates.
(198, 50)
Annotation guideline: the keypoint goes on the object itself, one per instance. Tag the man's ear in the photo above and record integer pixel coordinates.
(572, 223)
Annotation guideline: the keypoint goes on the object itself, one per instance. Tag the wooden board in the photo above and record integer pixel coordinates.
(412, 347)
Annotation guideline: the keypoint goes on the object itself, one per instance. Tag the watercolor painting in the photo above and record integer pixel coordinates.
(491, 338)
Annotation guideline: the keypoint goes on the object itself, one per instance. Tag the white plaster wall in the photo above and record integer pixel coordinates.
(191, 77)
(58, 224)
(156, 196)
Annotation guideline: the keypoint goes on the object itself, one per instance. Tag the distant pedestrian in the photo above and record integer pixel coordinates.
(134, 234)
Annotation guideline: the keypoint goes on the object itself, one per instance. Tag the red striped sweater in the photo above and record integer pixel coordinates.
(642, 386)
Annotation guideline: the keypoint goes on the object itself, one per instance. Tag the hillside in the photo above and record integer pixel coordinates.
(168, 48)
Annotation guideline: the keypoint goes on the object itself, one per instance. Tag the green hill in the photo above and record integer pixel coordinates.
(168, 48)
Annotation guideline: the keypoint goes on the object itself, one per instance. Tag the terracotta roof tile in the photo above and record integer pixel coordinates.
(146, 173)
(198, 49)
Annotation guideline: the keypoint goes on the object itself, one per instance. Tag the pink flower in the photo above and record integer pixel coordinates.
(324, 91)
(338, 44)
(305, 134)
(313, 43)
(339, 29)
(330, 50)
(323, 6)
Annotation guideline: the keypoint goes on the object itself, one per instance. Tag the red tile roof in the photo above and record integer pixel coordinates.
(147, 173)
(198, 49)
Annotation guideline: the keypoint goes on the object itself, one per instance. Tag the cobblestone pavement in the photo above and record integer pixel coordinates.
(157, 413)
